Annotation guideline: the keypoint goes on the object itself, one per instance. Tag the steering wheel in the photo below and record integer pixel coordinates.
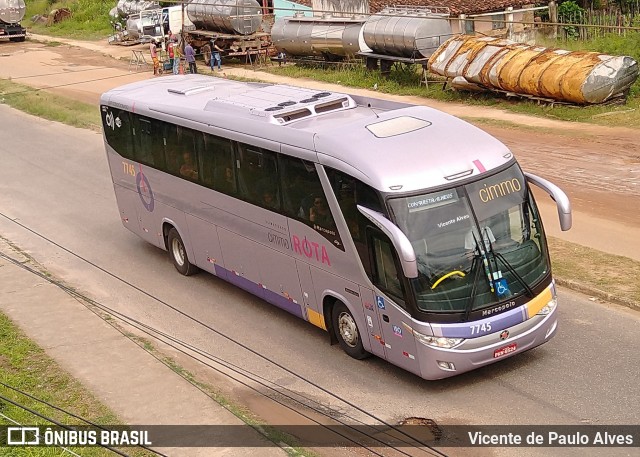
(448, 275)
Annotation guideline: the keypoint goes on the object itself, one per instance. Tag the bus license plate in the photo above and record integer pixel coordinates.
(505, 350)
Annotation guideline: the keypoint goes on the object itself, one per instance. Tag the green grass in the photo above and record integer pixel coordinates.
(595, 270)
(25, 366)
(49, 106)
(89, 20)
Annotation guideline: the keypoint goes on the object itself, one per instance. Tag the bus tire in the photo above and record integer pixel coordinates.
(178, 253)
(347, 333)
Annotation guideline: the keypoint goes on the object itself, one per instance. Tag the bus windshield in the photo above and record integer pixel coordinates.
(476, 245)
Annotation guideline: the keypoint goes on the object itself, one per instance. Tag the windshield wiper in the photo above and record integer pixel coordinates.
(519, 278)
(474, 287)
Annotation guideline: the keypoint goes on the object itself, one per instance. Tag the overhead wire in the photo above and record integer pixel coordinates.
(154, 333)
(50, 405)
(20, 425)
(208, 327)
(55, 422)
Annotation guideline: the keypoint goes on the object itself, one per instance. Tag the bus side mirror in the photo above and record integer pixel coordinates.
(400, 241)
(561, 199)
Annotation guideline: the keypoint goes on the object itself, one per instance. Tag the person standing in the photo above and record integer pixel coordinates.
(170, 52)
(216, 57)
(176, 56)
(190, 54)
(154, 56)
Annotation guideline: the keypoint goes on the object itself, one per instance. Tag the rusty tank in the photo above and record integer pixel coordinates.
(581, 77)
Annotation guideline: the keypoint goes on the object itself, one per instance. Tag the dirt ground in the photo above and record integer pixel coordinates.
(598, 167)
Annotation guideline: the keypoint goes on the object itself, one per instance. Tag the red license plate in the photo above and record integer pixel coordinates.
(505, 350)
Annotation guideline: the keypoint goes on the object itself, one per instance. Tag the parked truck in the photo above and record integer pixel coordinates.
(11, 13)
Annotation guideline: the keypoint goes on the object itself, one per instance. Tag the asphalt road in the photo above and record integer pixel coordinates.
(54, 179)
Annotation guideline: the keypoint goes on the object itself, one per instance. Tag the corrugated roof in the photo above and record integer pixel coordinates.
(456, 6)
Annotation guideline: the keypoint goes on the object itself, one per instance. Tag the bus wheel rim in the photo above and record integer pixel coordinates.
(348, 329)
(178, 251)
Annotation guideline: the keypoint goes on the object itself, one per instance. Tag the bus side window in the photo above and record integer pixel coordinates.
(216, 164)
(386, 275)
(300, 184)
(149, 141)
(258, 176)
(181, 157)
(118, 130)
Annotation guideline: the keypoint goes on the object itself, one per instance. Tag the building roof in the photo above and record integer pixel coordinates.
(457, 7)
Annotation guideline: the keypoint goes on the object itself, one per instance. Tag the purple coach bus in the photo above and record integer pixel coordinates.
(400, 230)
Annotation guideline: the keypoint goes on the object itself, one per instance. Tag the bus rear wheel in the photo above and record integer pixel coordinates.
(346, 330)
(178, 253)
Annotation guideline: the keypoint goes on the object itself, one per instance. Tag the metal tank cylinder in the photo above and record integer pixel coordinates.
(315, 36)
(127, 7)
(231, 16)
(12, 11)
(407, 31)
(495, 64)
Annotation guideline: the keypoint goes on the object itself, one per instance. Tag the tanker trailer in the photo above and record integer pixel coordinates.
(234, 24)
(406, 31)
(580, 77)
(11, 13)
(333, 38)
(128, 7)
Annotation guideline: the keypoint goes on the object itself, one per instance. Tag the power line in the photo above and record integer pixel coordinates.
(57, 408)
(208, 327)
(53, 421)
(154, 334)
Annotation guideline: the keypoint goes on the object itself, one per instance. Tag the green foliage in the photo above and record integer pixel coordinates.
(570, 12)
(89, 20)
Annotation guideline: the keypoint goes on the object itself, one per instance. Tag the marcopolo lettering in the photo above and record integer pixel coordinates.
(506, 187)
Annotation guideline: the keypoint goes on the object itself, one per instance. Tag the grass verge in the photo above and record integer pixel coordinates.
(25, 366)
(607, 276)
(49, 106)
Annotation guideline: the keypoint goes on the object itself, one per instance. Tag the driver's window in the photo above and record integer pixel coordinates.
(386, 273)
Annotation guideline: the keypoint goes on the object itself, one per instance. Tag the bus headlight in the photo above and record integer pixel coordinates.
(548, 307)
(438, 341)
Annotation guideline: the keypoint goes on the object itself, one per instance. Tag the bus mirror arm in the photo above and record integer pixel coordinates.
(400, 241)
(562, 201)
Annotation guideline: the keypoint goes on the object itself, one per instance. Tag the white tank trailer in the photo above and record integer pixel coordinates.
(128, 7)
(241, 17)
(407, 31)
(11, 13)
(330, 37)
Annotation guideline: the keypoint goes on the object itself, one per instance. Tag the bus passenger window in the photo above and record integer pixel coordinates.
(216, 166)
(300, 185)
(188, 169)
(149, 142)
(258, 176)
(180, 143)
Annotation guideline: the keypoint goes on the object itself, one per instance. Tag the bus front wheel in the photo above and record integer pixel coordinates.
(178, 253)
(347, 332)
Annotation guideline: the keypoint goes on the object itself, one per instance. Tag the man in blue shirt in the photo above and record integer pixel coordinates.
(191, 58)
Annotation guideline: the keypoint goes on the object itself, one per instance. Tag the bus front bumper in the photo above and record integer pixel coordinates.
(439, 363)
